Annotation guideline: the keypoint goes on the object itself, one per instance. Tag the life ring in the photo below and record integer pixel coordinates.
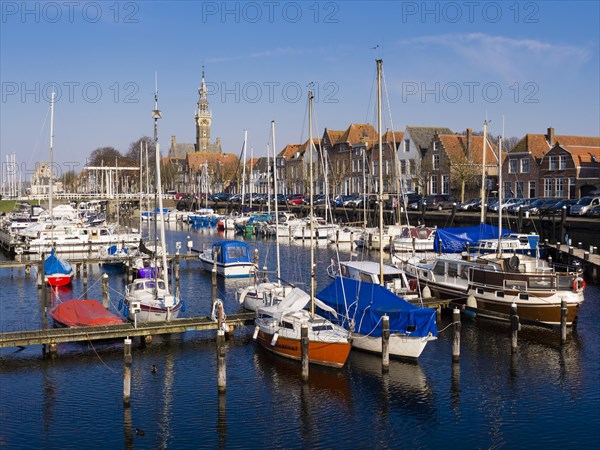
(578, 284)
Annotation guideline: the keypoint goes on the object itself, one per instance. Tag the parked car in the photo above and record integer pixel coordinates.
(584, 205)
(340, 199)
(440, 201)
(534, 207)
(295, 199)
(594, 212)
(521, 203)
(505, 204)
(556, 209)
(473, 204)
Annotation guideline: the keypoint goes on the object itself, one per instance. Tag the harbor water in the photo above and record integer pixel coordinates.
(545, 395)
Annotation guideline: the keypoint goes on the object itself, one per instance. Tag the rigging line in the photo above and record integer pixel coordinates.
(99, 357)
(37, 142)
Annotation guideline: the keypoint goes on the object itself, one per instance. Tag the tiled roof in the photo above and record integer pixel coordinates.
(289, 151)
(538, 145)
(584, 154)
(456, 147)
(181, 150)
(393, 136)
(196, 159)
(422, 136)
(333, 135)
(359, 132)
(304, 147)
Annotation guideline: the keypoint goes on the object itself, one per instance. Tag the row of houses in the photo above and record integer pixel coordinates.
(426, 160)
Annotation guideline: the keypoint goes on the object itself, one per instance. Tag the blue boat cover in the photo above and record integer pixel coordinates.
(454, 240)
(231, 251)
(367, 303)
(53, 265)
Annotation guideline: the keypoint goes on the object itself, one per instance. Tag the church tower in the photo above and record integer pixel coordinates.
(203, 118)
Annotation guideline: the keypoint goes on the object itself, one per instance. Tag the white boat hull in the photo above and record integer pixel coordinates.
(401, 346)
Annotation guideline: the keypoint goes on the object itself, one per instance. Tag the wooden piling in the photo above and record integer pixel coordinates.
(456, 326)
(563, 321)
(27, 270)
(304, 350)
(105, 290)
(188, 245)
(385, 344)
(85, 278)
(221, 361)
(78, 270)
(127, 372)
(514, 327)
(40, 274)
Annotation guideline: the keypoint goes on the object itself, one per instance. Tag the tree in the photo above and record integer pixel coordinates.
(463, 172)
(133, 154)
(105, 156)
(69, 180)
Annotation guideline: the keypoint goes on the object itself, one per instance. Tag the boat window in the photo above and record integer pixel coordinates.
(439, 268)
(149, 285)
(480, 291)
(564, 282)
(500, 294)
(103, 232)
(452, 269)
(322, 328)
(540, 282)
(288, 325)
(139, 286)
(424, 274)
(161, 284)
(464, 272)
(519, 285)
(236, 252)
(366, 277)
(345, 272)
(523, 296)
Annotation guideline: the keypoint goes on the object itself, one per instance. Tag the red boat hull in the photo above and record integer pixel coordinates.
(59, 280)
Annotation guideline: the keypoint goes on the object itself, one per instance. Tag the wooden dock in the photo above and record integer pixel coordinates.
(567, 254)
(52, 336)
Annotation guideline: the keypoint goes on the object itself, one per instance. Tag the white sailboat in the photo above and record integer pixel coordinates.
(151, 300)
(361, 304)
(278, 327)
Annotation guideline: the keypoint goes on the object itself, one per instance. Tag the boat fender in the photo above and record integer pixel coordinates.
(182, 306)
(413, 284)
(126, 311)
(255, 335)
(471, 303)
(426, 292)
(274, 340)
(120, 304)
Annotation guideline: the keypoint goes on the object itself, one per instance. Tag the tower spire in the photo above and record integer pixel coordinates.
(203, 118)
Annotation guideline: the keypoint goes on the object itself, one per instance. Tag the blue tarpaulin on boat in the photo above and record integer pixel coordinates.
(367, 303)
(231, 251)
(454, 240)
(53, 265)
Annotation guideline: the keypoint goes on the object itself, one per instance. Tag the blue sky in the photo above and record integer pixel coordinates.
(445, 63)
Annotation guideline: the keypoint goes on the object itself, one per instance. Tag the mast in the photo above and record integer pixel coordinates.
(276, 206)
(499, 250)
(50, 182)
(485, 125)
(311, 216)
(251, 185)
(380, 197)
(244, 167)
(141, 190)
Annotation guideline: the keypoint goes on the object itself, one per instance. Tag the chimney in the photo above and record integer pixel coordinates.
(469, 142)
(550, 136)
(173, 143)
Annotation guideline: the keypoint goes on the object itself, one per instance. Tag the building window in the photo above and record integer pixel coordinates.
(403, 167)
(563, 162)
(507, 189)
(525, 165)
(532, 189)
(572, 193)
(434, 184)
(436, 162)
(435, 146)
(520, 187)
(445, 184)
(547, 187)
(553, 162)
(513, 165)
(407, 145)
(412, 167)
(559, 187)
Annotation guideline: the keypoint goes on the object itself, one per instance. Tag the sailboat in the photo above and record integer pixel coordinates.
(56, 271)
(278, 326)
(360, 305)
(147, 299)
(265, 293)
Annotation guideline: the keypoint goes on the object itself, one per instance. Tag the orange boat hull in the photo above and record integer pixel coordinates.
(323, 353)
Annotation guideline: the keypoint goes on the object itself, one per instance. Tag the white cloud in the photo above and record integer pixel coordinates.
(510, 58)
